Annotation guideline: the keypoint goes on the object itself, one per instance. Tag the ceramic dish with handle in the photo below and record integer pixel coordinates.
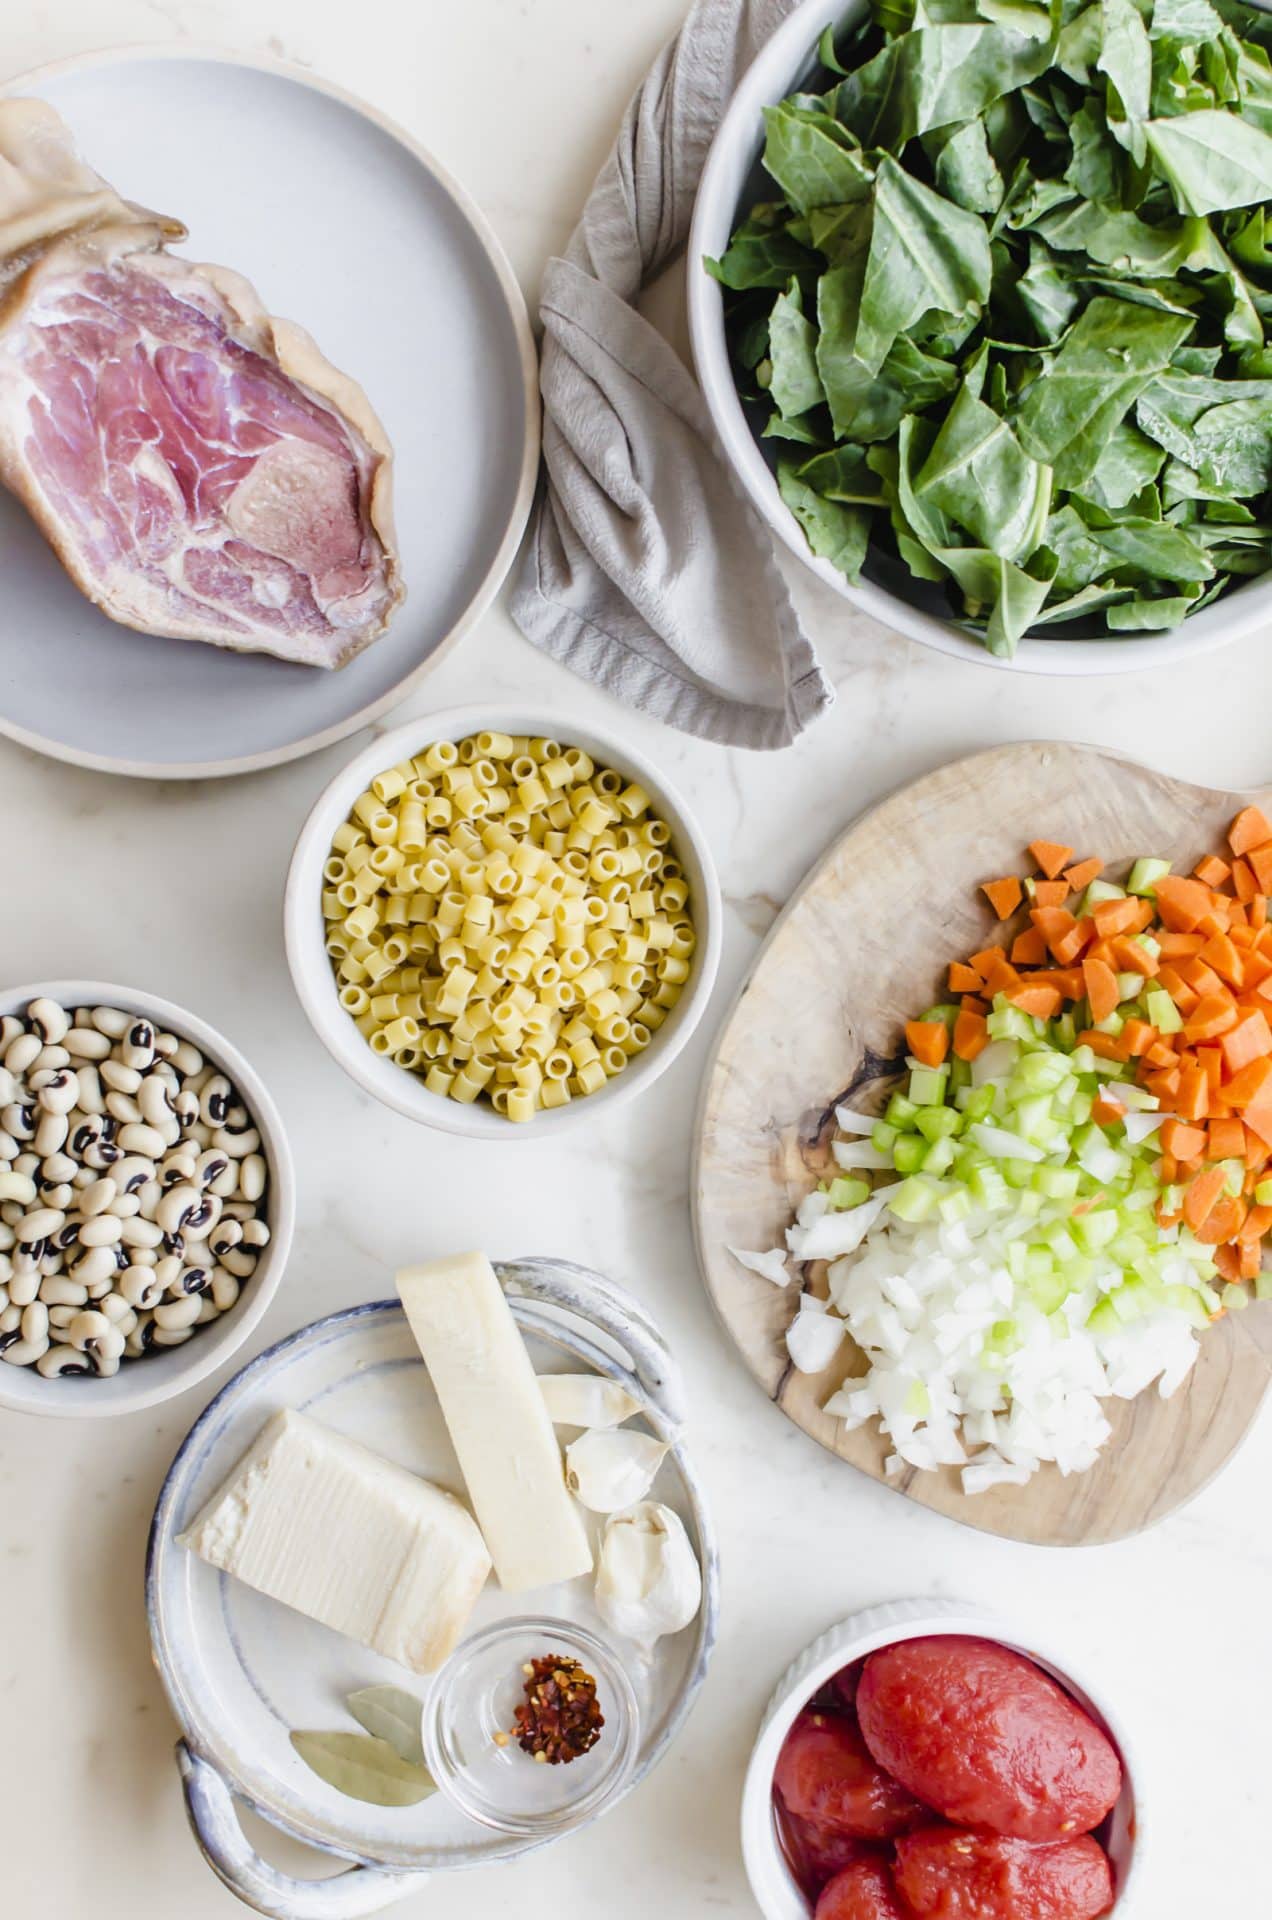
(346, 224)
(776, 1890)
(157, 1376)
(732, 180)
(315, 981)
(238, 1686)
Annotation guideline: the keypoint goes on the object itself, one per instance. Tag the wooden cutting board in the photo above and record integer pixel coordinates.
(863, 946)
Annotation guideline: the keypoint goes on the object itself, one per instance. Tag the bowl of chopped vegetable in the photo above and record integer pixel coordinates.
(978, 309)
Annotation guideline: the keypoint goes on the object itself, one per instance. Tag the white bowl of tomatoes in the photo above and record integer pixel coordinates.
(927, 1761)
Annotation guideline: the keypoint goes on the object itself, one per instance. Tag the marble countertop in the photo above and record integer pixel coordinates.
(179, 887)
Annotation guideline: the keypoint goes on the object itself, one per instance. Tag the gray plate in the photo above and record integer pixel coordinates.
(242, 1673)
(345, 224)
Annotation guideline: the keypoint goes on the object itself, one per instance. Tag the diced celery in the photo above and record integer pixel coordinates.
(1128, 988)
(1082, 1060)
(1097, 891)
(1064, 1031)
(1095, 1229)
(1056, 1183)
(1049, 1291)
(927, 1086)
(1234, 1174)
(918, 1401)
(1144, 876)
(915, 1199)
(845, 1192)
(908, 1152)
(1113, 1024)
(942, 1016)
(1235, 1298)
(1010, 1023)
(1103, 1317)
(989, 1188)
(1263, 1285)
(900, 1112)
(934, 1123)
(960, 1074)
(1263, 1193)
(882, 1136)
(939, 1157)
(980, 1106)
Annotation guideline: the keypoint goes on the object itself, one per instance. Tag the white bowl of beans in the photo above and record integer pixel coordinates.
(497, 925)
(147, 1199)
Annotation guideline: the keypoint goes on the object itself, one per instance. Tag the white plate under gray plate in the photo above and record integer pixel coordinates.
(242, 1673)
(346, 224)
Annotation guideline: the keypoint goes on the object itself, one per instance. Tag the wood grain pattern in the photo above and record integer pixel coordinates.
(862, 945)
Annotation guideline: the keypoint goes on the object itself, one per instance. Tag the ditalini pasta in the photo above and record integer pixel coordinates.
(506, 920)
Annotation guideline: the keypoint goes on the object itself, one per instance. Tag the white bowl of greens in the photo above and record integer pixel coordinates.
(985, 337)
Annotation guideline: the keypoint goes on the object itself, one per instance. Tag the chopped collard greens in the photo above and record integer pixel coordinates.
(1005, 315)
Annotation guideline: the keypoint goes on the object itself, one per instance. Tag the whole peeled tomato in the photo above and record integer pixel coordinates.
(946, 1874)
(815, 1853)
(981, 1734)
(865, 1891)
(825, 1774)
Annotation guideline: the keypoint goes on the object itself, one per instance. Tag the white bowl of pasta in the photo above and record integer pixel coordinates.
(496, 929)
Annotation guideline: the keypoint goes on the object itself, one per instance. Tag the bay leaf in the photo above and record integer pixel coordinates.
(391, 1714)
(363, 1768)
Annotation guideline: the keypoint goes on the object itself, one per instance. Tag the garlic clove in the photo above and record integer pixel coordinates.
(648, 1582)
(608, 1470)
(586, 1400)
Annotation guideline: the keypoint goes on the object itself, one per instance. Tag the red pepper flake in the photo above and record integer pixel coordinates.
(560, 1718)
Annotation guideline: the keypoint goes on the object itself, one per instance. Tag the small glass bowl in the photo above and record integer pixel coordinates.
(475, 1697)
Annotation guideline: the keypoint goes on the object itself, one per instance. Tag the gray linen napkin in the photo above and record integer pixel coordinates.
(646, 569)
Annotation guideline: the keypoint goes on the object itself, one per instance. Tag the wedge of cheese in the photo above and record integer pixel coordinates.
(494, 1409)
(327, 1527)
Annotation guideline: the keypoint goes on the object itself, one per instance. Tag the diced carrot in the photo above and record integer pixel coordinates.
(1028, 949)
(1211, 870)
(1251, 1258)
(1202, 977)
(1202, 1195)
(1051, 856)
(1225, 1140)
(1256, 1223)
(1210, 1060)
(1211, 1017)
(1161, 1053)
(1051, 893)
(1228, 1262)
(1081, 875)
(1137, 1037)
(928, 1040)
(1176, 946)
(964, 979)
(1184, 996)
(1000, 977)
(1256, 1152)
(1222, 1222)
(1101, 988)
(1259, 1122)
(1042, 1002)
(1105, 1111)
(1242, 935)
(971, 1034)
(1114, 916)
(1249, 829)
(1182, 904)
(1183, 1141)
(1071, 946)
(1257, 969)
(1166, 1083)
(1004, 896)
(1258, 910)
(1103, 1045)
(1132, 958)
(1244, 884)
(1052, 923)
(1260, 859)
(1192, 1096)
(1238, 916)
(1251, 1040)
(1220, 954)
(983, 960)
(1067, 981)
(1251, 1087)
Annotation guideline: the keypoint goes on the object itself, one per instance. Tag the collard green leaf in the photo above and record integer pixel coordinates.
(925, 255)
(1129, 461)
(868, 406)
(391, 1714)
(1125, 57)
(1184, 20)
(1150, 613)
(1095, 167)
(1113, 353)
(835, 532)
(794, 382)
(966, 171)
(812, 157)
(761, 253)
(1007, 598)
(1212, 160)
(935, 77)
(845, 474)
(978, 474)
(364, 1768)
